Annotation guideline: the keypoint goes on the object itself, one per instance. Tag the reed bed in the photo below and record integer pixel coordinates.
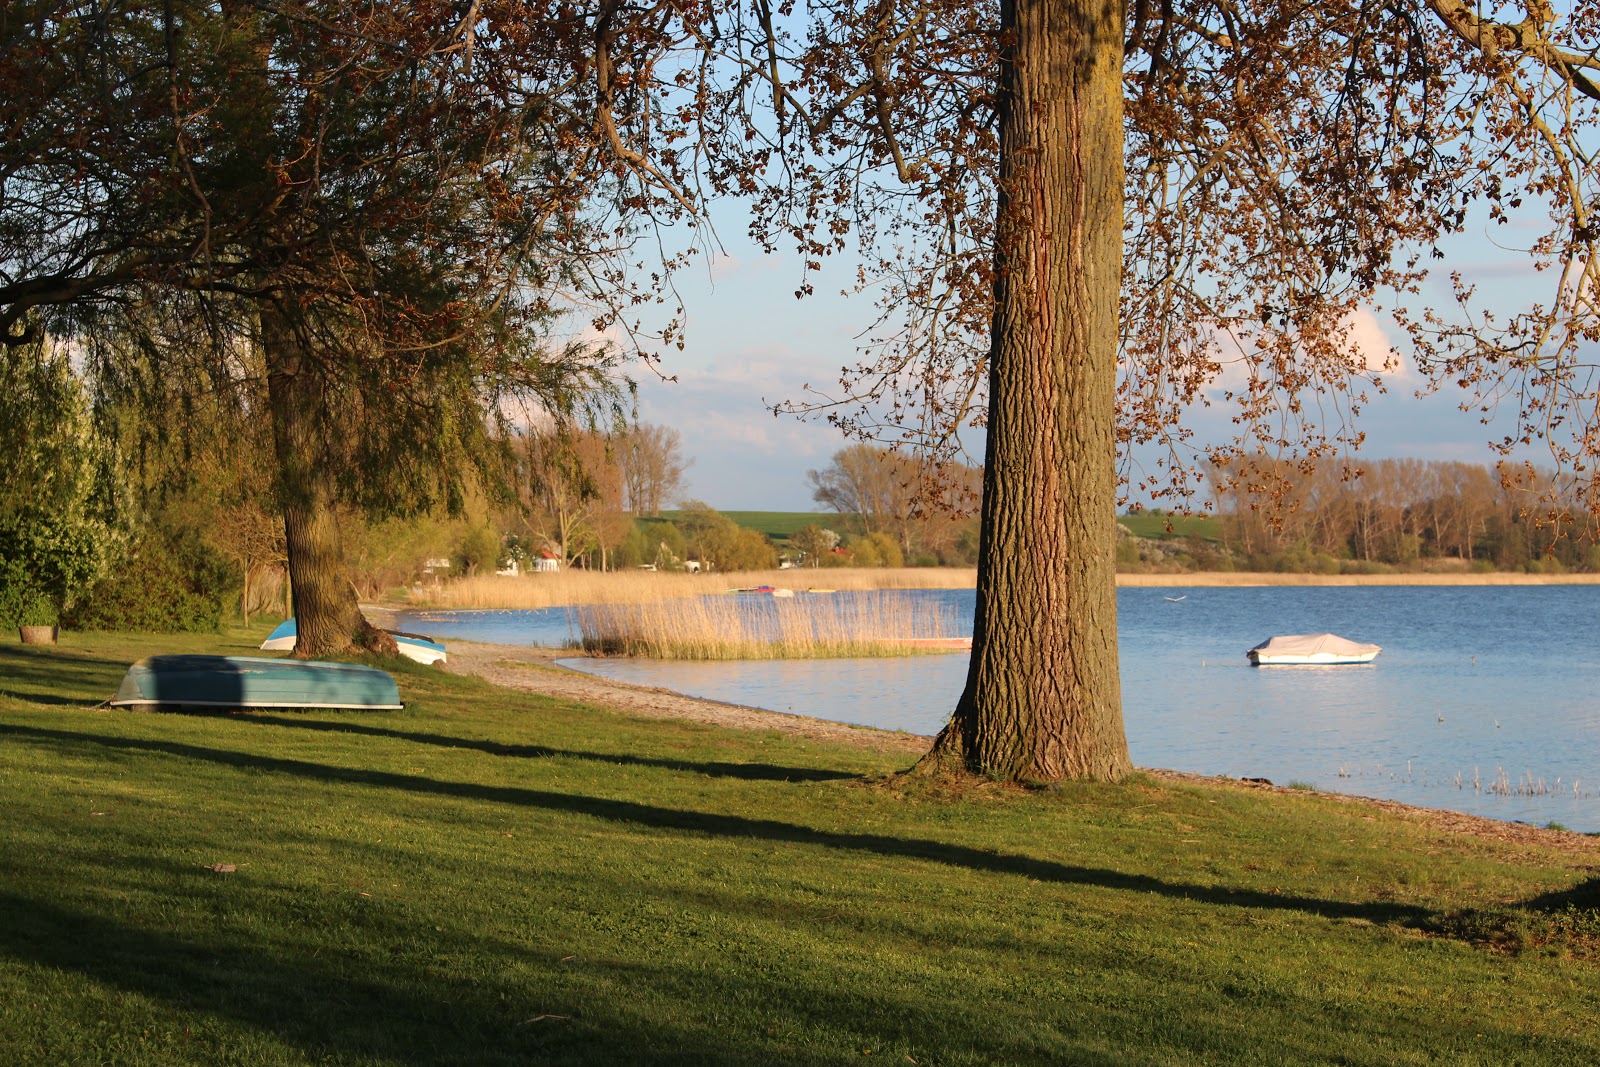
(1500, 785)
(881, 623)
(641, 587)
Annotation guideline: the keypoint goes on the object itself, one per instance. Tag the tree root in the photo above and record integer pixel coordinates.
(369, 638)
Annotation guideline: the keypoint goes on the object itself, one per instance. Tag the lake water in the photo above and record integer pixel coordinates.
(1486, 699)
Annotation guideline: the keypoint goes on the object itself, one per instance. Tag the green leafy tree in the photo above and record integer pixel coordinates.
(479, 551)
(58, 488)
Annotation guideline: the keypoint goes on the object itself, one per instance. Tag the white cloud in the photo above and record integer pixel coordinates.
(1373, 344)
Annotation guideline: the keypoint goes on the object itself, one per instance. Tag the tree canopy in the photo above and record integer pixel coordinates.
(359, 224)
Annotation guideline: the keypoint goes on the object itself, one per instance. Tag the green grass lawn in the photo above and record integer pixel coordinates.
(492, 878)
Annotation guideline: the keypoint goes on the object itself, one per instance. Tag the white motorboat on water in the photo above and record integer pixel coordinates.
(1310, 650)
(412, 646)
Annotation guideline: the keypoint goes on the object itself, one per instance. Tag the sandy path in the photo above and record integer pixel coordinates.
(534, 670)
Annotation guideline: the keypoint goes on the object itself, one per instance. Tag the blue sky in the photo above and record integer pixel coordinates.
(751, 343)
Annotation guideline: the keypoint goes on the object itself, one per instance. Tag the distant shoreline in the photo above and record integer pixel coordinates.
(1264, 578)
(498, 593)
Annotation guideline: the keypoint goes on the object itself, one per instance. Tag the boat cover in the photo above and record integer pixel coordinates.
(1312, 645)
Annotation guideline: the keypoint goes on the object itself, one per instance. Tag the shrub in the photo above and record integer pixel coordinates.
(47, 561)
(170, 582)
(876, 550)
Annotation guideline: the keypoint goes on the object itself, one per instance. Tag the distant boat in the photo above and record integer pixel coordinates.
(192, 681)
(412, 646)
(765, 590)
(1310, 650)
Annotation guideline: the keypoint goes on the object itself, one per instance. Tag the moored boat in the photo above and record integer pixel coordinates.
(417, 647)
(197, 681)
(1299, 650)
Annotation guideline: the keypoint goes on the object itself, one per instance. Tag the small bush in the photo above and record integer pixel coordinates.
(167, 584)
(876, 550)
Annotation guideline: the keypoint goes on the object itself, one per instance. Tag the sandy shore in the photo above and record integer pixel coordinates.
(535, 670)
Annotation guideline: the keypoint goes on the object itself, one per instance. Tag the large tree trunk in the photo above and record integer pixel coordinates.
(1043, 695)
(328, 619)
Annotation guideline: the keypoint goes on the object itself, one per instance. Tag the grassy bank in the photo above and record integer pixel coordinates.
(490, 878)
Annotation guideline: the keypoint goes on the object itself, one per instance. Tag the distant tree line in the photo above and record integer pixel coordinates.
(1397, 513)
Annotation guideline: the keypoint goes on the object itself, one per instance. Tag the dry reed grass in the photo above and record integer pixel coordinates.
(882, 623)
(569, 588)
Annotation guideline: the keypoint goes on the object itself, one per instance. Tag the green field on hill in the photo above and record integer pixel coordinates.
(782, 525)
(493, 878)
(1153, 525)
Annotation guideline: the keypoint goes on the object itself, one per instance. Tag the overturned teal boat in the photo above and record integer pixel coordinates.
(193, 681)
(418, 647)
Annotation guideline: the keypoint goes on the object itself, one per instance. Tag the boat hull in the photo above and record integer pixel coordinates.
(1309, 661)
(412, 646)
(192, 681)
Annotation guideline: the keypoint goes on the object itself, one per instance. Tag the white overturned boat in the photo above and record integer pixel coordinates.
(1311, 649)
(412, 646)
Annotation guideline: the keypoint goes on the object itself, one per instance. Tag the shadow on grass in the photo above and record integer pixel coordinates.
(763, 772)
(319, 1005)
(1585, 896)
(35, 675)
(742, 827)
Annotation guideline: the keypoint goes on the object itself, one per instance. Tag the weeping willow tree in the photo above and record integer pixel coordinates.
(359, 227)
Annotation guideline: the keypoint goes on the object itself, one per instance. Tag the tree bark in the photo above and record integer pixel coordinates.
(1043, 693)
(328, 618)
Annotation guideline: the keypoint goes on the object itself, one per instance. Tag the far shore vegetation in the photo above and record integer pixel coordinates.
(492, 877)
